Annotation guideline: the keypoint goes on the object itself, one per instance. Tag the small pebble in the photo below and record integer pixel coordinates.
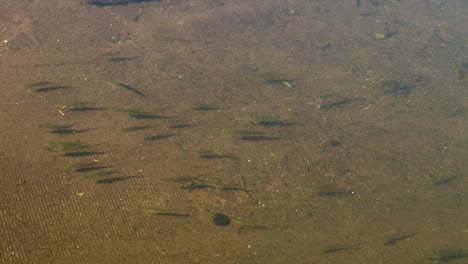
(221, 219)
(334, 143)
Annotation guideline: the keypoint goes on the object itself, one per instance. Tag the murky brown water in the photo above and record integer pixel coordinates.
(370, 142)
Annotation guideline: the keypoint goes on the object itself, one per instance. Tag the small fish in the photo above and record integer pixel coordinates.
(446, 255)
(157, 211)
(273, 123)
(82, 154)
(134, 128)
(396, 239)
(257, 138)
(259, 118)
(87, 109)
(145, 116)
(119, 59)
(445, 181)
(157, 137)
(100, 174)
(338, 103)
(277, 81)
(335, 193)
(82, 165)
(232, 188)
(334, 143)
(241, 132)
(88, 169)
(215, 156)
(131, 111)
(266, 121)
(329, 190)
(456, 113)
(335, 249)
(53, 88)
(67, 131)
(115, 179)
(125, 87)
(403, 90)
(116, 2)
(192, 187)
(206, 108)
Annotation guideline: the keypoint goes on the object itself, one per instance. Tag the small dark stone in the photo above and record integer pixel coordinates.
(221, 219)
(334, 143)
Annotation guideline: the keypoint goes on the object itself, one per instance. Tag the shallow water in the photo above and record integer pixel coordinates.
(355, 113)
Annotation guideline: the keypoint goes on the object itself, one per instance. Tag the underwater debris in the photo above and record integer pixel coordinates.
(290, 12)
(383, 33)
(291, 87)
(244, 224)
(77, 107)
(286, 82)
